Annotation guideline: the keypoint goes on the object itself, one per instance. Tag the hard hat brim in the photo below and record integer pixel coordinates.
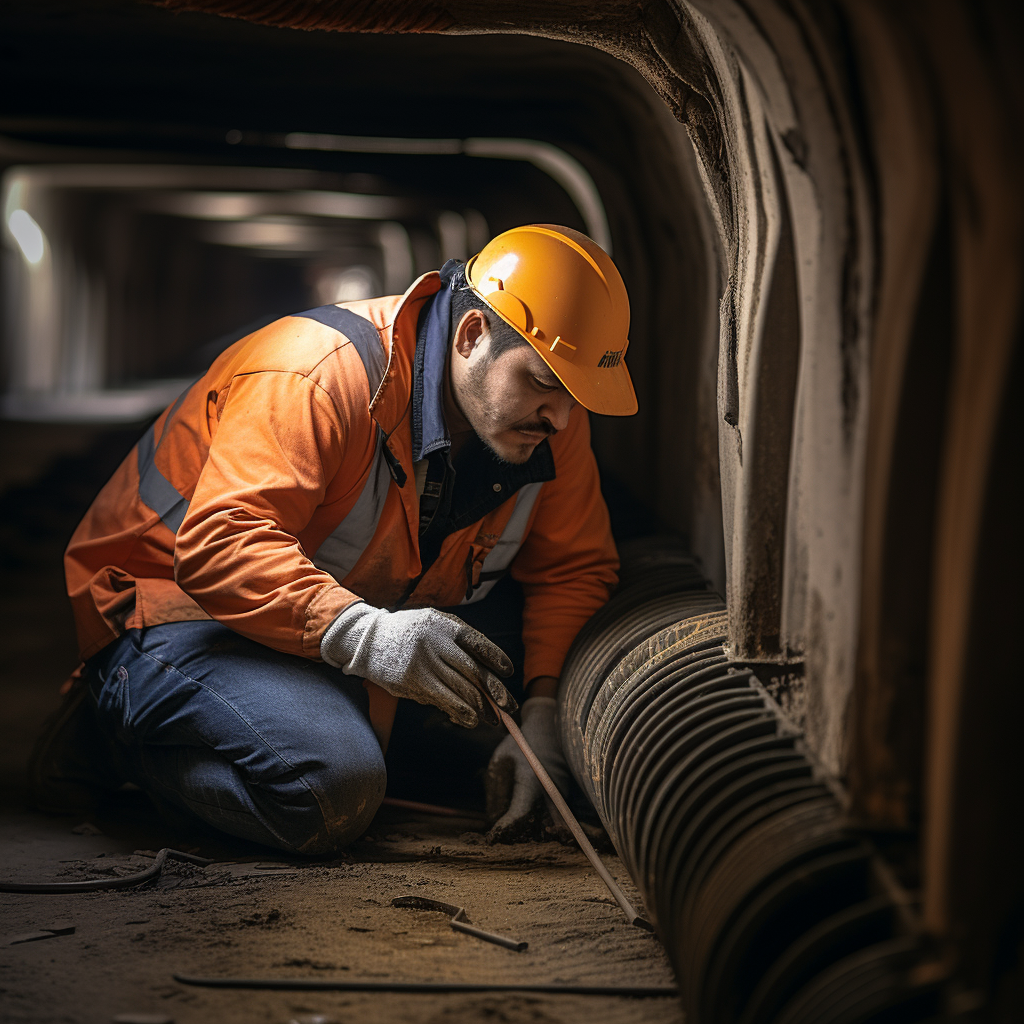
(607, 391)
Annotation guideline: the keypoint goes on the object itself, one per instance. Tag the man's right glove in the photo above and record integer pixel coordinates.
(428, 656)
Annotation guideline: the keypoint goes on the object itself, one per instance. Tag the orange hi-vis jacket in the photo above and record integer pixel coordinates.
(279, 489)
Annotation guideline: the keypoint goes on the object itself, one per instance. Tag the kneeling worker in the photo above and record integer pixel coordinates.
(261, 579)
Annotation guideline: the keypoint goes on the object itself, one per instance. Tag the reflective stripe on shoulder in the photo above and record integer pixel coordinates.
(496, 564)
(341, 550)
(363, 335)
(358, 527)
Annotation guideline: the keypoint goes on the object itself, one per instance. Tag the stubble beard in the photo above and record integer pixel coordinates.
(474, 404)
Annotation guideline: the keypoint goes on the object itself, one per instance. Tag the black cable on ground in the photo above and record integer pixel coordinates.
(98, 884)
(437, 987)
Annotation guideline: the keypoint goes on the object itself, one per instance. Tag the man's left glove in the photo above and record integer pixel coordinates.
(512, 787)
(428, 656)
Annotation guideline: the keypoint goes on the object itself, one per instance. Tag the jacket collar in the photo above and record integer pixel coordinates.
(433, 336)
(390, 404)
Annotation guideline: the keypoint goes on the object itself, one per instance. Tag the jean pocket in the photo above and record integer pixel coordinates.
(113, 702)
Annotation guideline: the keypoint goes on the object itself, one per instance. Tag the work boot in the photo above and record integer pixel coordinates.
(72, 765)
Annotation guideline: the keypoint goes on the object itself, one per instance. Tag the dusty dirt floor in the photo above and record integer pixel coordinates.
(256, 914)
(253, 912)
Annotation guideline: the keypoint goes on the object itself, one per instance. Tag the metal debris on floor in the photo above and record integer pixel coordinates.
(458, 920)
(117, 882)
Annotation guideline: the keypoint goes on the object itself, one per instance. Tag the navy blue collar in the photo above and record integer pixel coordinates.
(429, 431)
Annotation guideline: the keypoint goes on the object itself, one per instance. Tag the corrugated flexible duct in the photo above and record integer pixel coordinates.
(770, 906)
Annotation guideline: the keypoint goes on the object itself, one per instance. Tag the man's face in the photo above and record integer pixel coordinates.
(512, 401)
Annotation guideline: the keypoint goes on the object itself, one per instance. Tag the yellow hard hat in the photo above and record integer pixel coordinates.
(562, 293)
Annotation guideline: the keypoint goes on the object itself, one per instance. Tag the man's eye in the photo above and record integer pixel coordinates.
(544, 385)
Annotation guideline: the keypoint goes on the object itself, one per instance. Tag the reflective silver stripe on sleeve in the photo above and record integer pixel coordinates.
(496, 564)
(340, 552)
(155, 490)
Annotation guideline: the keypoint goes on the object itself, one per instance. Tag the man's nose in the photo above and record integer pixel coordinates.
(556, 409)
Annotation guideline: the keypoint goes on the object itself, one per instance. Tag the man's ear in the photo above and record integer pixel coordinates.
(470, 332)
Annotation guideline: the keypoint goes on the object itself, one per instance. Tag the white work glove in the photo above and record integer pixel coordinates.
(428, 656)
(512, 788)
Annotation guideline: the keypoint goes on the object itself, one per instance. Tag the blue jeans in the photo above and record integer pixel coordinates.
(266, 746)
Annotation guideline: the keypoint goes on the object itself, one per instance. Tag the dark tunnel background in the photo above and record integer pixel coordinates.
(126, 85)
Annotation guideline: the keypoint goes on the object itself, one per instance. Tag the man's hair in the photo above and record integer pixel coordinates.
(503, 337)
